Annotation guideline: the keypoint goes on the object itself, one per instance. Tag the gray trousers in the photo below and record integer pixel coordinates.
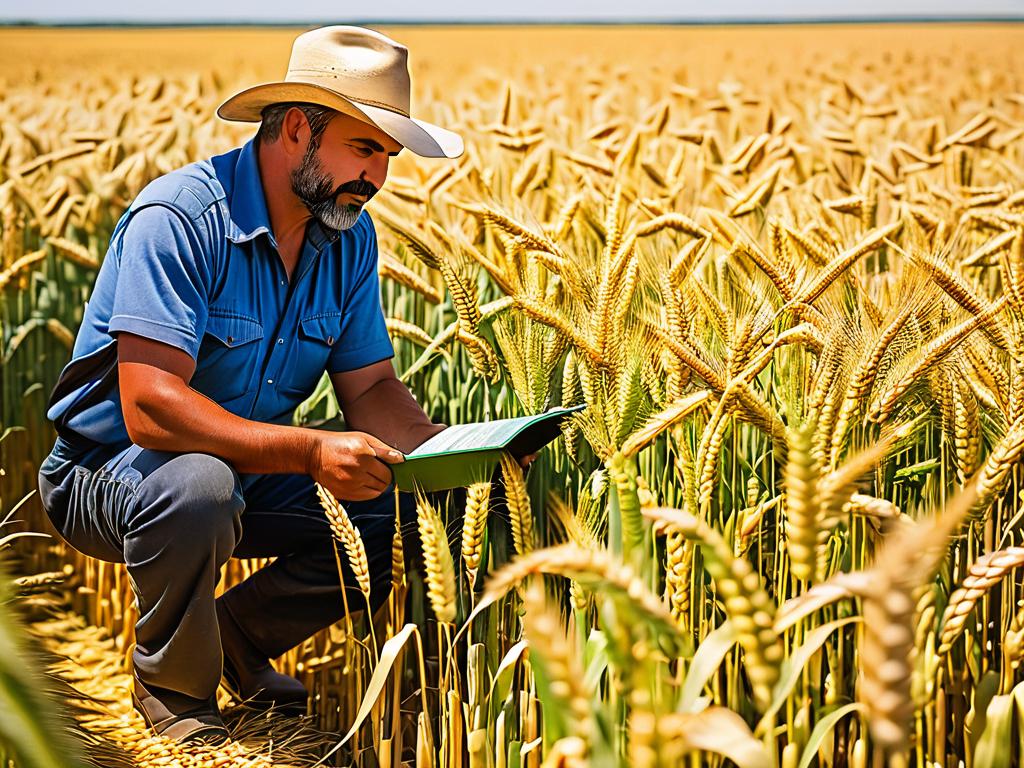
(175, 520)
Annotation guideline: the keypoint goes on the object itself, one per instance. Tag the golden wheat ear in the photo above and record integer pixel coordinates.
(348, 535)
(474, 523)
(437, 560)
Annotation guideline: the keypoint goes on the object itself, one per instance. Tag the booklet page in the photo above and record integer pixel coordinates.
(484, 435)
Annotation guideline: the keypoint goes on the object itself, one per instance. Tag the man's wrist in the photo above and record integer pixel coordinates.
(311, 452)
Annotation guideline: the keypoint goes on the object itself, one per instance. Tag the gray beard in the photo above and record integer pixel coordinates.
(313, 187)
(340, 218)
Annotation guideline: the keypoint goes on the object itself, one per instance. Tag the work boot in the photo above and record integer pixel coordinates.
(177, 716)
(249, 677)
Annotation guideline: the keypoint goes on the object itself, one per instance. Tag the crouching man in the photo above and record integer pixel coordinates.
(229, 287)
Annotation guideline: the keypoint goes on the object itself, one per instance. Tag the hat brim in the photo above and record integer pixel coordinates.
(423, 138)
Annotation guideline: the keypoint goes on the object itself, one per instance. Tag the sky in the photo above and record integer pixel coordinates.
(304, 11)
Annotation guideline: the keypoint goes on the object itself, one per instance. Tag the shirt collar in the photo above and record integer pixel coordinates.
(319, 235)
(248, 206)
(249, 215)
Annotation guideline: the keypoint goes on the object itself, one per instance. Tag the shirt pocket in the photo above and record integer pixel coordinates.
(316, 335)
(228, 357)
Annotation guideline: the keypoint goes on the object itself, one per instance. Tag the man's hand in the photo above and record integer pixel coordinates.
(353, 465)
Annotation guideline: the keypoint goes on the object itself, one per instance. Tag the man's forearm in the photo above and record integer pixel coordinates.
(175, 417)
(388, 411)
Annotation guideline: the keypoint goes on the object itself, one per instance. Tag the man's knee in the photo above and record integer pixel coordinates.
(195, 494)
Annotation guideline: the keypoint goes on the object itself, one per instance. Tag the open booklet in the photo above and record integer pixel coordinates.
(468, 453)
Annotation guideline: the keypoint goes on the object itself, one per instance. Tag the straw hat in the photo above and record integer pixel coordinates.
(356, 71)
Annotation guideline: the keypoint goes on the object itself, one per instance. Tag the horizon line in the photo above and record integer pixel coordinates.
(559, 22)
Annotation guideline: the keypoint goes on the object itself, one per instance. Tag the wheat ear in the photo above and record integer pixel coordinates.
(18, 265)
(907, 561)
(437, 561)
(74, 252)
(747, 603)
(675, 221)
(518, 502)
(957, 288)
(983, 574)
(596, 569)
(478, 497)
(412, 240)
(345, 531)
(390, 267)
(931, 354)
(663, 420)
(553, 652)
(843, 261)
(803, 517)
(514, 228)
(992, 476)
(406, 330)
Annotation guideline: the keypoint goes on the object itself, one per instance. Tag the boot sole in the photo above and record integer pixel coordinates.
(201, 732)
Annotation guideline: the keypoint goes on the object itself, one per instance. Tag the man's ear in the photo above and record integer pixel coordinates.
(295, 133)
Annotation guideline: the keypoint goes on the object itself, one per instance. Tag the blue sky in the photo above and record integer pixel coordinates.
(300, 11)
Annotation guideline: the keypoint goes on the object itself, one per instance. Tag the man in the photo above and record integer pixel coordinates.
(229, 287)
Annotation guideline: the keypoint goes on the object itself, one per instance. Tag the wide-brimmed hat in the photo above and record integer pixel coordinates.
(355, 71)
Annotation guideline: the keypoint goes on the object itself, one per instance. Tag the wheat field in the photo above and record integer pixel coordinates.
(784, 269)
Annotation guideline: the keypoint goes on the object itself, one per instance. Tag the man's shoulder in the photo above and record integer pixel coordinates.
(192, 189)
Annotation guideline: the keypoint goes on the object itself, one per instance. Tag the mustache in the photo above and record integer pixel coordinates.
(354, 187)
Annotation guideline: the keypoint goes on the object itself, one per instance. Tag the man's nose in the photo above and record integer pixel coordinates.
(376, 170)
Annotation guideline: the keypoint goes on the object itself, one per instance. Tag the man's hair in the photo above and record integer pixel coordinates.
(273, 117)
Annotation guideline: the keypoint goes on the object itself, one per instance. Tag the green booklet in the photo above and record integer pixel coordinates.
(468, 453)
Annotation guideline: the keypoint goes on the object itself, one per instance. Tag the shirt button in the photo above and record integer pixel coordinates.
(270, 381)
(280, 341)
(282, 282)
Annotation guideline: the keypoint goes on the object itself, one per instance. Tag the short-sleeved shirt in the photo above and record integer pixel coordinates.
(193, 263)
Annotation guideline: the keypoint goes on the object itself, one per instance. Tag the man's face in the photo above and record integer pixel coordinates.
(341, 171)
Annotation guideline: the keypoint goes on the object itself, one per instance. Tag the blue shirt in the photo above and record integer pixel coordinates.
(193, 263)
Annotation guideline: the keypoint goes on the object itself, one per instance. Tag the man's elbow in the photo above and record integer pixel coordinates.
(147, 414)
